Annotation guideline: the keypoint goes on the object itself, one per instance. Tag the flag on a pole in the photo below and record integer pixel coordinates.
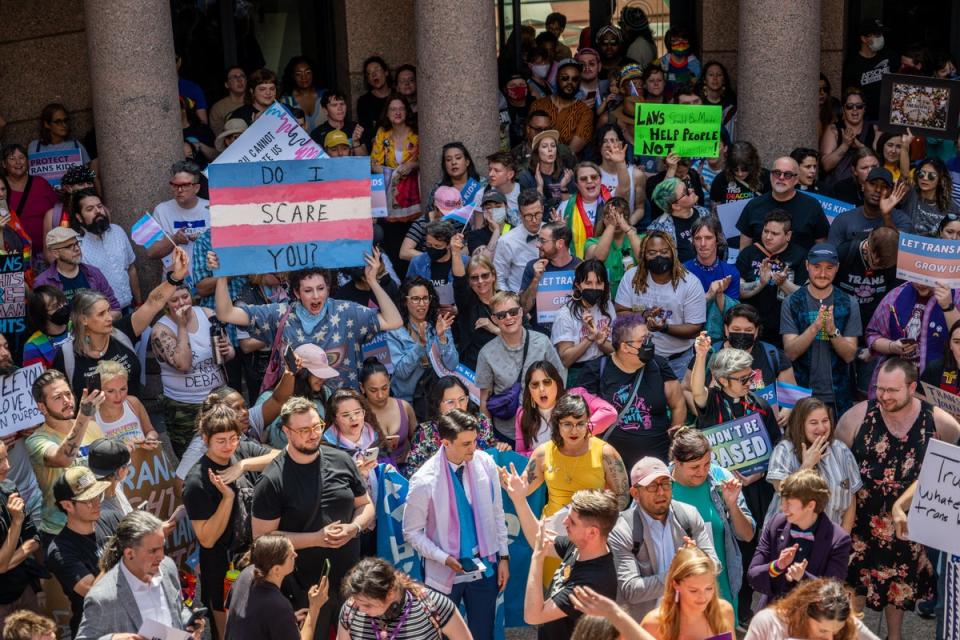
(460, 216)
(146, 231)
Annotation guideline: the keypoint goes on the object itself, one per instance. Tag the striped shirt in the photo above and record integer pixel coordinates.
(417, 626)
(839, 469)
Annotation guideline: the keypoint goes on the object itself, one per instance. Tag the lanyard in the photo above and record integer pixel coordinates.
(382, 635)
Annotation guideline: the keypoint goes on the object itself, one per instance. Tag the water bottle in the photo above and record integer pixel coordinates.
(216, 335)
(228, 579)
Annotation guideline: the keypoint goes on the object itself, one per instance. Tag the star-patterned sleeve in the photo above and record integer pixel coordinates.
(264, 319)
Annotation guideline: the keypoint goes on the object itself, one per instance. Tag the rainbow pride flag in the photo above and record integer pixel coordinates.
(269, 217)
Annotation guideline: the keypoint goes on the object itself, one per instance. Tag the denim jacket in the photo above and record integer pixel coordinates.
(406, 356)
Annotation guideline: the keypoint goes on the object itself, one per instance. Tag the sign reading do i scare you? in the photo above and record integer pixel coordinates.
(267, 217)
(690, 131)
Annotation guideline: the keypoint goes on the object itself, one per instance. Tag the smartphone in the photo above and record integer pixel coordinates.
(469, 565)
(369, 455)
(93, 383)
(290, 359)
(908, 341)
(196, 614)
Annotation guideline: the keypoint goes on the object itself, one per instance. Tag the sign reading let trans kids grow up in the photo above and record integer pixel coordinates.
(690, 131)
(929, 261)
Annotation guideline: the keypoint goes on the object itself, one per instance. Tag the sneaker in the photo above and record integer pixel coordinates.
(926, 609)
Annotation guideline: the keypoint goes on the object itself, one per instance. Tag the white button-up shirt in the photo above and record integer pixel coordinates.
(151, 600)
(661, 534)
(511, 257)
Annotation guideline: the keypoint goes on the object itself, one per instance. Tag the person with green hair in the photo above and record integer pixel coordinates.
(678, 201)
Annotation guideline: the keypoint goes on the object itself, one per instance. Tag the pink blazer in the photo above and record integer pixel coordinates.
(602, 416)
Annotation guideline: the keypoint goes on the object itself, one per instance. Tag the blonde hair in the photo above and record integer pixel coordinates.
(111, 369)
(481, 260)
(687, 563)
(503, 296)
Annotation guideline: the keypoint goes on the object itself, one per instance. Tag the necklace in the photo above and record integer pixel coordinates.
(382, 635)
(91, 349)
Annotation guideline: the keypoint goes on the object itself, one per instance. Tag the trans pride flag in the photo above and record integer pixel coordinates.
(267, 217)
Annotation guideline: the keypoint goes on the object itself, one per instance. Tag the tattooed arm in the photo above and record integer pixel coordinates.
(64, 455)
(172, 350)
(534, 470)
(615, 474)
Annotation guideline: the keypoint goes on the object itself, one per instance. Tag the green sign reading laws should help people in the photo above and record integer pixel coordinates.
(690, 131)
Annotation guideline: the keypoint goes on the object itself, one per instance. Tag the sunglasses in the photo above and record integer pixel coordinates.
(928, 175)
(502, 315)
(743, 379)
(789, 175)
(855, 107)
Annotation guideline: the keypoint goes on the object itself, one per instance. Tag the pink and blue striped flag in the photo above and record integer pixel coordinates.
(788, 395)
(146, 231)
(460, 216)
(267, 217)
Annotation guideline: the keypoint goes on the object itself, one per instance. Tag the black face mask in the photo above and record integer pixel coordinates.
(659, 265)
(645, 351)
(436, 254)
(741, 340)
(99, 226)
(591, 296)
(61, 316)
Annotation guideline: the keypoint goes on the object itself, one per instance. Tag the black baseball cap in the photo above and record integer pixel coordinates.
(107, 456)
(823, 252)
(871, 26)
(879, 173)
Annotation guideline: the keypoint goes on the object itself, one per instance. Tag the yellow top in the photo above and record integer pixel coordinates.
(565, 475)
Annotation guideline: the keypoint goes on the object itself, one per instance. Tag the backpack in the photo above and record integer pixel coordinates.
(70, 358)
(682, 519)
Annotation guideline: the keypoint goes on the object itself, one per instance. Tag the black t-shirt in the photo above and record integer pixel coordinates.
(725, 190)
(16, 580)
(365, 298)
(867, 286)
(848, 190)
(867, 74)
(693, 180)
(807, 219)
(683, 229)
(642, 431)
(369, 110)
(71, 285)
(934, 374)
(600, 574)
(527, 279)
(469, 310)
(71, 557)
(259, 611)
(85, 366)
(245, 113)
(202, 499)
(319, 133)
(770, 360)
(290, 491)
(770, 298)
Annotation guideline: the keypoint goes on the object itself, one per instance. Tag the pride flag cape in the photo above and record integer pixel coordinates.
(579, 222)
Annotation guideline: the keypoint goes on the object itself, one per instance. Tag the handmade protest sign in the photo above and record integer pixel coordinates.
(690, 131)
(465, 374)
(377, 348)
(267, 217)
(729, 213)
(935, 511)
(944, 399)
(51, 165)
(553, 292)
(831, 208)
(273, 136)
(928, 261)
(17, 407)
(741, 445)
(13, 299)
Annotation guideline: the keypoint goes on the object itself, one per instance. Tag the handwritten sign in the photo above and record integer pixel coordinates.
(929, 261)
(935, 511)
(17, 407)
(274, 136)
(729, 214)
(465, 374)
(690, 131)
(267, 217)
(51, 165)
(377, 348)
(741, 445)
(944, 399)
(378, 196)
(553, 292)
(13, 299)
(831, 208)
(151, 480)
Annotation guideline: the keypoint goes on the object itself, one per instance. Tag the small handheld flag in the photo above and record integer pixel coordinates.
(146, 231)
(460, 216)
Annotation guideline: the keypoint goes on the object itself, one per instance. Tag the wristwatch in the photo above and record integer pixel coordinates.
(950, 308)
(836, 333)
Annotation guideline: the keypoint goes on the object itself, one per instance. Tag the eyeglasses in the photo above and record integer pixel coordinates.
(928, 175)
(69, 247)
(501, 315)
(481, 277)
(180, 186)
(655, 487)
(454, 402)
(743, 379)
(789, 175)
(574, 425)
(419, 299)
(90, 502)
(855, 106)
(350, 415)
(60, 121)
(305, 432)
(532, 216)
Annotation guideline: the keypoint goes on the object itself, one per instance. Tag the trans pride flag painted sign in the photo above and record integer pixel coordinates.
(267, 217)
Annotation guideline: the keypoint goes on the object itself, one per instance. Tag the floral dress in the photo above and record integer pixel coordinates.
(426, 442)
(885, 569)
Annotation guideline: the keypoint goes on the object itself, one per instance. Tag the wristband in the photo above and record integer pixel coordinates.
(950, 308)
(172, 280)
(773, 569)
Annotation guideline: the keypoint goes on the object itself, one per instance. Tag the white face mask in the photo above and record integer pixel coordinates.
(499, 214)
(540, 70)
(876, 44)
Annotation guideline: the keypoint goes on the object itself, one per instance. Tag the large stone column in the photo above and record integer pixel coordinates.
(136, 111)
(456, 82)
(778, 69)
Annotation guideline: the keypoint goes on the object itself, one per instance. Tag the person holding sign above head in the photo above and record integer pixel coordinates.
(555, 246)
(504, 361)
(581, 329)
(810, 443)
(800, 542)
(424, 327)
(717, 496)
(669, 298)
(880, 199)
(820, 326)
(815, 610)
(807, 220)
(338, 327)
(454, 519)
(888, 437)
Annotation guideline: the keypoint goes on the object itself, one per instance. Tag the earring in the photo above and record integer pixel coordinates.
(676, 596)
